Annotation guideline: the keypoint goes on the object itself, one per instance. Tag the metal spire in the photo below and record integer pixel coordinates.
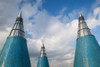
(43, 45)
(43, 53)
(18, 29)
(80, 14)
(83, 29)
(20, 14)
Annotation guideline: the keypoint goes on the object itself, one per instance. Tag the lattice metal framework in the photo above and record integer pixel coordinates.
(18, 29)
(83, 29)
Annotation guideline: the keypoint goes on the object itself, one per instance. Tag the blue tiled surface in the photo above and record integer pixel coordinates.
(43, 62)
(15, 53)
(87, 52)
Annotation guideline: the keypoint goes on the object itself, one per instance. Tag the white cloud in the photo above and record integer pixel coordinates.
(96, 4)
(92, 23)
(97, 12)
(94, 19)
(8, 11)
(55, 35)
(59, 37)
(3, 36)
(63, 10)
(99, 43)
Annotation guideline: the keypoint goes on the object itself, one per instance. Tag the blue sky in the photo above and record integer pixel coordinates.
(54, 6)
(53, 21)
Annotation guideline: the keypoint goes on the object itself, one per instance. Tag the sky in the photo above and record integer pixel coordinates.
(55, 22)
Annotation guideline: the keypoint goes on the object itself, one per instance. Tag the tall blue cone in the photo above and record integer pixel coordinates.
(15, 52)
(43, 60)
(87, 48)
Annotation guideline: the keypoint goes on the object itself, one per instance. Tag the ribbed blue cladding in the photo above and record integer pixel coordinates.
(87, 52)
(15, 53)
(43, 62)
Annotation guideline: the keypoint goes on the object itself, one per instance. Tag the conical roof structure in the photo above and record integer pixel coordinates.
(87, 48)
(18, 29)
(15, 52)
(43, 60)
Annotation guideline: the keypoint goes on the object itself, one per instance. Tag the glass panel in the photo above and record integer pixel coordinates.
(12, 32)
(84, 25)
(16, 33)
(18, 26)
(18, 29)
(82, 21)
(14, 26)
(81, 33)
(21, 27)
(87, 32)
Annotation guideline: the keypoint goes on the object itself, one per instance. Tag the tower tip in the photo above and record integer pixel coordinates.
(42, 43)
(17, 29)
(80, 15)
(83, 29)
(20, 14)
(42, 53)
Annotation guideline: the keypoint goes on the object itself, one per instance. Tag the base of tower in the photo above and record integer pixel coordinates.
(43, 62)
(87, 52)
(15, 53)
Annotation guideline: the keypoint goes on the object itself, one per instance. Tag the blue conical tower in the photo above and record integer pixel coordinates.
(43, 60)
(15, 52)
(87, 48)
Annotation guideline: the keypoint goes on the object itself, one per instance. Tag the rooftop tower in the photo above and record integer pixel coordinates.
(87, 48)
(15, 52)
(43, 60)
